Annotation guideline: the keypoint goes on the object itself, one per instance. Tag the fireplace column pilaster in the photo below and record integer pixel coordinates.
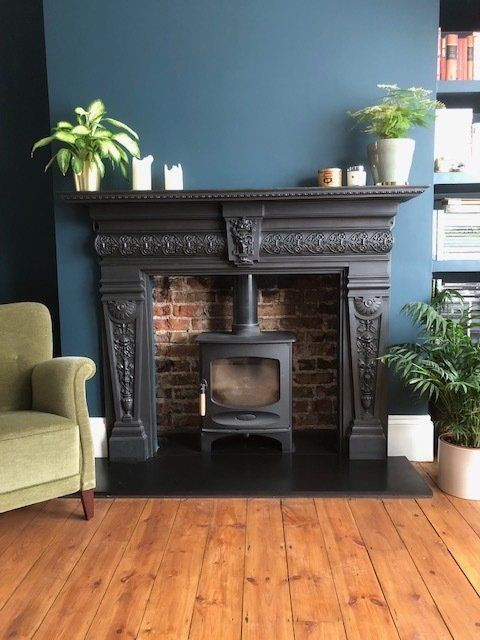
(127, 313)
(368, 307)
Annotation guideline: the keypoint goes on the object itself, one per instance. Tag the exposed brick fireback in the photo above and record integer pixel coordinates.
(306, 305)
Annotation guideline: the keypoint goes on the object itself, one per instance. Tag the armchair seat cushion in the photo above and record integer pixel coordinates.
(36, 447)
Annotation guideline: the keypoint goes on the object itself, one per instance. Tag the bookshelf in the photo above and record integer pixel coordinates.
(462, 17)
(453, 87)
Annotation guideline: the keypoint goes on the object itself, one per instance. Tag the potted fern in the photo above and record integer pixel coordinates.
(444, 367)
(391, 156)
(88, 143)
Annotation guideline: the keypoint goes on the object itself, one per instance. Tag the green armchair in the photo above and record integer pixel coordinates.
(46, 447)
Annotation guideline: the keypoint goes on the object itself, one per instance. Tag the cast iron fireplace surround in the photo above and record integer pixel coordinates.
(346, 231)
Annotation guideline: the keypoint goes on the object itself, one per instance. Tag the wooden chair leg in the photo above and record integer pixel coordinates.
(87, 498)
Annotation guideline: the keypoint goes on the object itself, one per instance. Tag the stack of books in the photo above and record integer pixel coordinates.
(462, 205)
(456, 231)
(458, 56)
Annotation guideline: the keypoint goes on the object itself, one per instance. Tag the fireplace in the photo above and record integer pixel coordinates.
(345, 232)
(246, 375)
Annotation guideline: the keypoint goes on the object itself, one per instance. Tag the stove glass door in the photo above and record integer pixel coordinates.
(245, 381)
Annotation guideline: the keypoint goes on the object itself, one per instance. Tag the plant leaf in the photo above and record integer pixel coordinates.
(96, 109)
(80, 111)
(110, 149)
(50, 162)
(63, 124)
(99, 163)
(63, 160)
(120, 125)
(64, 136)
(41, 143)
(81, 129)
(77, 164)
(127, 142)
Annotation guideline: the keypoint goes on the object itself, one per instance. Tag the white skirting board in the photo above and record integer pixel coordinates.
(411, 436)
(99, 435)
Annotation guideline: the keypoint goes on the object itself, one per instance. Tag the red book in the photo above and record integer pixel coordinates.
(452, 56)
(443, 60)
(470, 57)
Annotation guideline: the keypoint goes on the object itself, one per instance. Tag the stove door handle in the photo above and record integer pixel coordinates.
(201, 398)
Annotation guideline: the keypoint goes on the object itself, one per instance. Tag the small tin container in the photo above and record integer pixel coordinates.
(356, 176)
(331, 177)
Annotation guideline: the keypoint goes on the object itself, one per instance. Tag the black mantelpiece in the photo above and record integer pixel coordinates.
(347, 231)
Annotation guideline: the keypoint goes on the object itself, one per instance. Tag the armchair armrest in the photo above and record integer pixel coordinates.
(58, 386)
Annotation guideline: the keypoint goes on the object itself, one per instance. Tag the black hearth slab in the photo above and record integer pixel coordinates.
(233, 476)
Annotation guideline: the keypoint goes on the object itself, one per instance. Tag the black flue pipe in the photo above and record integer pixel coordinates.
(245, 305)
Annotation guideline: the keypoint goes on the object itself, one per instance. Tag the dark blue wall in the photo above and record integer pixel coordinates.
(27, 230)
(243, 94)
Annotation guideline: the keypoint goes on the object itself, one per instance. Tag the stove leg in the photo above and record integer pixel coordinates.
(285, 440)
(206, 441)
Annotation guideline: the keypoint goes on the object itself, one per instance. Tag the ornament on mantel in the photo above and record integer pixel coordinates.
(173, 177)
(142, 174)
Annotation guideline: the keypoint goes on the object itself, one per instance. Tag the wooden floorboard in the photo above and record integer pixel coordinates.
(76, 604)
(235, 569)
(453, 594)
(469, 509)
(218, 603)
(364, 609)
(169, 611)
(411, 605)
(19, 558)
(267, 611)
(124, 601)
(315, 607)
(30, 602)
(461, 540)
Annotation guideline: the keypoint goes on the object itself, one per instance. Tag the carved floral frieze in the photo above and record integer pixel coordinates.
(305, 243)
(162, 244)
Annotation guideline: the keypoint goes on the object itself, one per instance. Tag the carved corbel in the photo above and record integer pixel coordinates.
(243, 226)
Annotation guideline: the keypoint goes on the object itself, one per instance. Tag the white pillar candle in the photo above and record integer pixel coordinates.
(142, 174)
(173, 177)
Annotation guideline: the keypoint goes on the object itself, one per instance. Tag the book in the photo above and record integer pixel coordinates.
(476, 55)
(443, 59)
(470, 57)
(452, 56)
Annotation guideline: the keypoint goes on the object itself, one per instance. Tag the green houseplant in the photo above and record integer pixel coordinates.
(444, 367)
(391, 120)
(89, 143)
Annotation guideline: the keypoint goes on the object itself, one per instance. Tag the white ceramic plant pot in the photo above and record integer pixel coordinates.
(390, 160)
(459, 470)
(88, 179)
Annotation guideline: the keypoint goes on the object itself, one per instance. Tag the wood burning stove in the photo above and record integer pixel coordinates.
(246, 375)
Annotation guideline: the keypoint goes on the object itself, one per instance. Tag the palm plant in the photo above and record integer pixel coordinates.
(89, 141)
(445, 366)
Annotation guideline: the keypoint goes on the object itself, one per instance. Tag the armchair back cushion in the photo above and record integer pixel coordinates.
(25, 340)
